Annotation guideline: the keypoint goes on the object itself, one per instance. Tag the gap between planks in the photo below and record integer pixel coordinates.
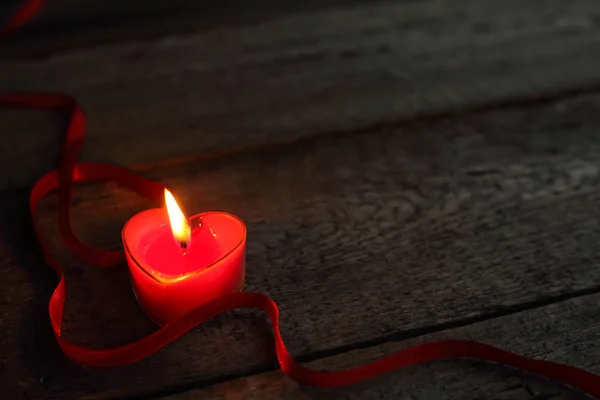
(260, 379)
(402, 229)
(566, 332)
(297, 75)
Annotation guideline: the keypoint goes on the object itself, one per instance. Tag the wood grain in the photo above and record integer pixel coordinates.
(296, 75)
(361, 239)
(81, 23)
(566, 332)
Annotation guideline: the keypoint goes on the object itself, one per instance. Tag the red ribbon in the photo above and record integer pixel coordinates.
(71, 171)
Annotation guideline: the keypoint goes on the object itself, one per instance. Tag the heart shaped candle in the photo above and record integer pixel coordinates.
(177, 264)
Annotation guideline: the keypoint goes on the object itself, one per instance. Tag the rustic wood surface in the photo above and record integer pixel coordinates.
(362, 238)
(566, 332)
(76, 23)
(373, 229)
(244, 78)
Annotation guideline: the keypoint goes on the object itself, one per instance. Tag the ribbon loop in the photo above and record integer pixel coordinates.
(70, 171)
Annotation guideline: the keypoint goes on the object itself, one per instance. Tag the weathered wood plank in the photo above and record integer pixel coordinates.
(298, 75)
(566, 332)
(360, 238)
(76, 23)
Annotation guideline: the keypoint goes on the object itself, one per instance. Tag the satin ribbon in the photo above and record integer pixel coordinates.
(70, 171)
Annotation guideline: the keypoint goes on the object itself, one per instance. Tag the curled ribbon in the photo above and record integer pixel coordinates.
(70, 171)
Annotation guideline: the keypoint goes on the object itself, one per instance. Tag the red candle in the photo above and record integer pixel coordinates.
(177, 264)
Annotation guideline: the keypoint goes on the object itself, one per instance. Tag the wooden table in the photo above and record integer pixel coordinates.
(408, 171)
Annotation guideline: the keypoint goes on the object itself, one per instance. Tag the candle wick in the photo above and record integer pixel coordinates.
(190, 226)
(185, 242)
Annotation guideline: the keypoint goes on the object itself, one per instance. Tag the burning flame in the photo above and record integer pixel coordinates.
(180, 226)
